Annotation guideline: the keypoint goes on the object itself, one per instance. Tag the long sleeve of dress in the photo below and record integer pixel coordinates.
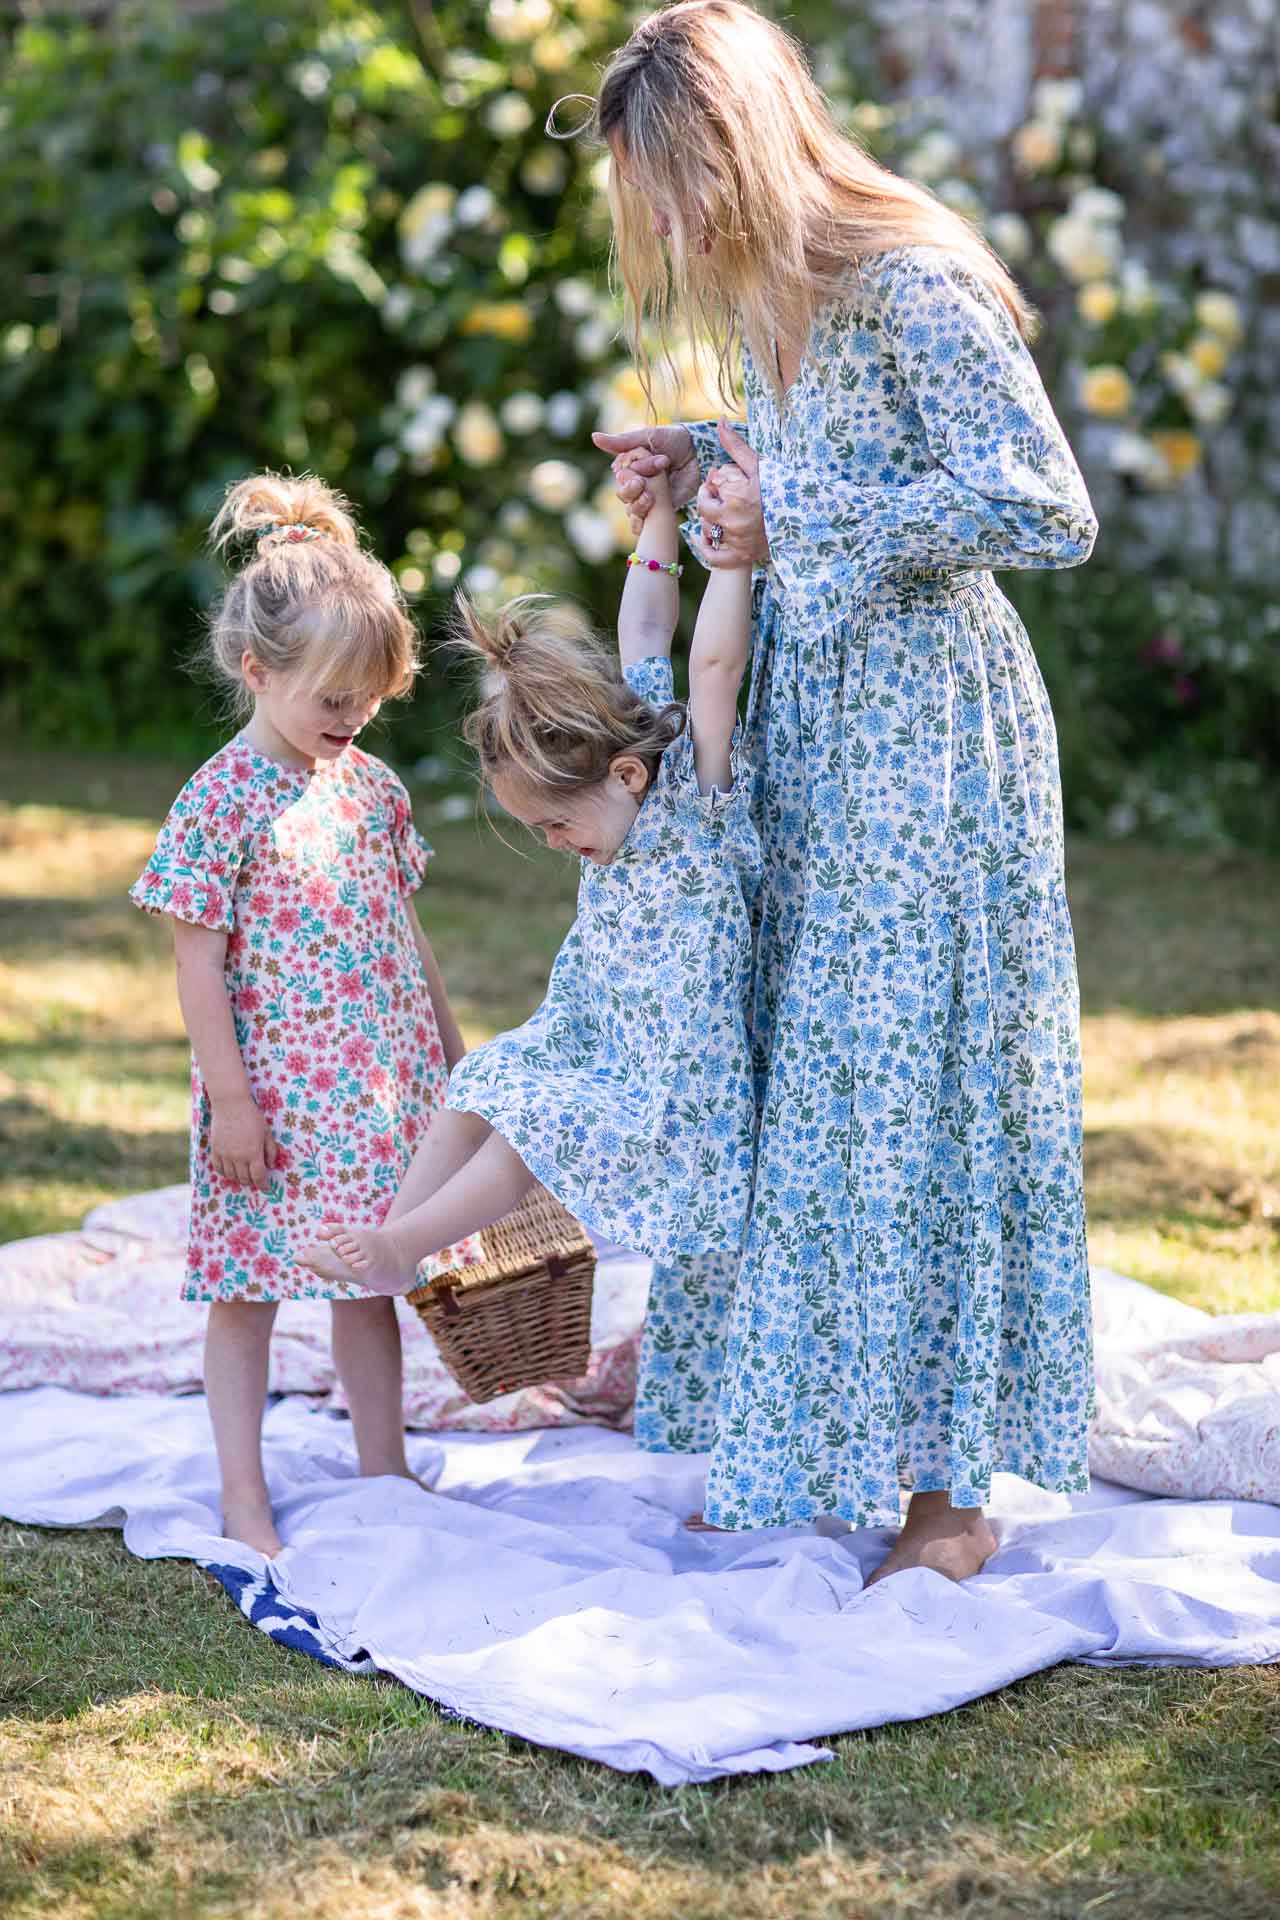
(989, 483)
(706, 445)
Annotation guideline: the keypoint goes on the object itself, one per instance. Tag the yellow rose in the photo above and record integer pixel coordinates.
(1097, 302)
(507, 319)
(1037, 147)
(1181, 451)
(1208, 355)
(1219, 314)
(477, 435)
(1106, 391)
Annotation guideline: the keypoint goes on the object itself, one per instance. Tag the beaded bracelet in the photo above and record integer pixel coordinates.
(656, 566)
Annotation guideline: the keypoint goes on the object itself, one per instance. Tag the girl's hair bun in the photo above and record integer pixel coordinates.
(267, 504)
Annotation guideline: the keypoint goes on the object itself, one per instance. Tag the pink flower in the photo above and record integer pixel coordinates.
(260, 904)
(264, 1266)
(357, 1051)
(213, 1271)
(383, 1148)
(342, 919)
(385, 967)
(181, 896)
(288, 920)
(242, 1241)
(350, 986)
(324, 1080)
(296, 1061)
(378, 1078)
(249, 999)
(318, 891)
(269, 1101)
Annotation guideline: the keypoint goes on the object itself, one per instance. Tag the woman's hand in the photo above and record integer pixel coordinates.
(241, 1143)
(642, 452)
(729, 499)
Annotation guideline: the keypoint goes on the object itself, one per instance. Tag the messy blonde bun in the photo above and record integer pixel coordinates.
(553, 709)
(307, 599)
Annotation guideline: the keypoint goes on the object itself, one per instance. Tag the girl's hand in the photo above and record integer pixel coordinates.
(241, 1143)
(731, 500)
(640, 453)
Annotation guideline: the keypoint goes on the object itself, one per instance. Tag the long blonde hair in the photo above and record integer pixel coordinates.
(308, 599)
(553, 709)
(713, 114)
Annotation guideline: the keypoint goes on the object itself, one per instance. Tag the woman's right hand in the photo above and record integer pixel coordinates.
(241, 1143)
(640, 453)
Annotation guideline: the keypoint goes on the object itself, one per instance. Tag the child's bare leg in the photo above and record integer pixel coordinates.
(366, 1353)
(385, 1260)
(236, 1350)
(449, 1142)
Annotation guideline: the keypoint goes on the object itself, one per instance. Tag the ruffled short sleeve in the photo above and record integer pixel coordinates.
(191, 875)
(412, 852)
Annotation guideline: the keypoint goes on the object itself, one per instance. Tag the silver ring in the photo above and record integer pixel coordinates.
(715, 535)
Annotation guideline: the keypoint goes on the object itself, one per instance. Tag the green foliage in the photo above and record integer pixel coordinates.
(339, 238)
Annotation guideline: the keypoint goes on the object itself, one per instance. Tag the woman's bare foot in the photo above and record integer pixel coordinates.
(370, 1256)
(954, 1541)
(251, 1521)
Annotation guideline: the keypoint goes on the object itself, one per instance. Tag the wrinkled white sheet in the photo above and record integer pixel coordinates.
(553, 1592)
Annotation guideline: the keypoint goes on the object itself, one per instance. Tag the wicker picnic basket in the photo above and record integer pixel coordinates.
(521, 1316)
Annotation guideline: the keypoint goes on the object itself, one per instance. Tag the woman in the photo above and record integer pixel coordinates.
(912, 1306)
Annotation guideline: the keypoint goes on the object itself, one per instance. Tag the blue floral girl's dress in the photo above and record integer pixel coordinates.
(628, 1094)
(913, 1302)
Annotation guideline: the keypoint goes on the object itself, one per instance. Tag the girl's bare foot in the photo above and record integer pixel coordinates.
(251, 1521)
(954, 1541)
(368, 1255)
(698, 1523)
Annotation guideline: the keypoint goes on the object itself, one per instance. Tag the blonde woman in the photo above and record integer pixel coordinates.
(912, 1308)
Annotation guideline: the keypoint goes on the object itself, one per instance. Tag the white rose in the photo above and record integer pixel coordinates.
(1010, 236)
(413, 387)
(1210, 404)
(1083, 251)
(1219, 314)
(474, 207)
(592, 339)
(935, 155)
(478, 436)
(1097, 203)
(576, 298)
(1037, 147)
(522, 412)
(555, 485)
(564, 410)
(590, 533)
(421, 435)
(513, 21)
(1058, 99)
(509, 115)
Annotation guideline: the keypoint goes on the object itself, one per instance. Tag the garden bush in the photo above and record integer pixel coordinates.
(339, 238)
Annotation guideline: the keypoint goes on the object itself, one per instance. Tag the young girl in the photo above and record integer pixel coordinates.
(319, 1025)
(628, 1094)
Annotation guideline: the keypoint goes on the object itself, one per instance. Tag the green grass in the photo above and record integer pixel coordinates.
(158, 1758)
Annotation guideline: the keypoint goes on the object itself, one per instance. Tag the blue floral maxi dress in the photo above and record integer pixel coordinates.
(913, 1304)
(629, 1092)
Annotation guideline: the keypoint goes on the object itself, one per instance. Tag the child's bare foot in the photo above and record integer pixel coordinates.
(252, 1522)
(368, 1255)
(698, 1523)
(954, 1541)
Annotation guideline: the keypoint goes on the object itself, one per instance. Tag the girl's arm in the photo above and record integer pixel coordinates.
(241, 1141)
(717, 658)
(450, 1033)
(651, 601)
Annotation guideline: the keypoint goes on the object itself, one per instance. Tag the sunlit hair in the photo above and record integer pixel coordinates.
(553, 709)
(318, 607)
(711, 115)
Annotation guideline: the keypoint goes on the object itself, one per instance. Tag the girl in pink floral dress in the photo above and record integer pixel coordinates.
(320, 1029)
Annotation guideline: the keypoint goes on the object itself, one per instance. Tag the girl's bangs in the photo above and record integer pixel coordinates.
(360, 651)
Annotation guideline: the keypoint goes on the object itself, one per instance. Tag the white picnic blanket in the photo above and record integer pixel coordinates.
(554, 1592)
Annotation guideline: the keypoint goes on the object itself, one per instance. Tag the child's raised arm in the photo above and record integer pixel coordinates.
(651, 597)
(717, 658)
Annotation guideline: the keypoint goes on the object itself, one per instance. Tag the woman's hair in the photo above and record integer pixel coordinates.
(553, 709)
(308, 599)
(711, 115)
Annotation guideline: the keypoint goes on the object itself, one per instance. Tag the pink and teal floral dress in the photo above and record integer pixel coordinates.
(309, 873)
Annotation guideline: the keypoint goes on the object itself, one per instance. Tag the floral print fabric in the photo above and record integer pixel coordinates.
(308, 872)
(912, 1306)
(629, 1091)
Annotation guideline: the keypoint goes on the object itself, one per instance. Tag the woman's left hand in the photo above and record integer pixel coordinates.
(737, 510)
